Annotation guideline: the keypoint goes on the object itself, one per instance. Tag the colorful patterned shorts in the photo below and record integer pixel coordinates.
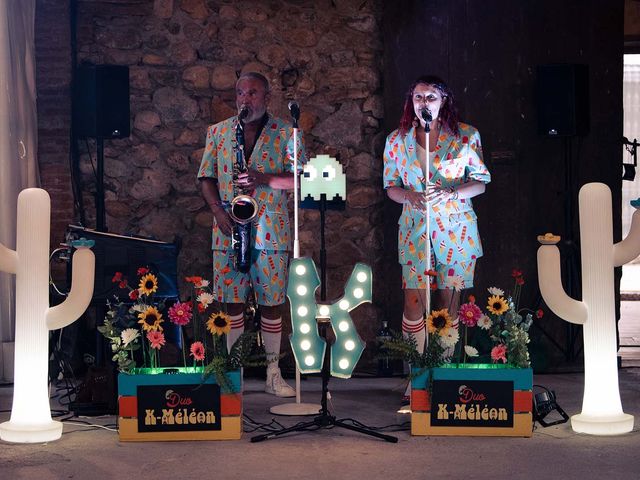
(268, 274)
(457, 276)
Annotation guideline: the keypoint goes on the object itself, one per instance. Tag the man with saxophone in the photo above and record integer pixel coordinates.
(248, 163)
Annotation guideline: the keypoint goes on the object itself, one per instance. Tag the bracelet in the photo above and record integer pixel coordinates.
(217, 203)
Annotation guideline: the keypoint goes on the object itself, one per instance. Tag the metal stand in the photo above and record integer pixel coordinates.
(324, 419)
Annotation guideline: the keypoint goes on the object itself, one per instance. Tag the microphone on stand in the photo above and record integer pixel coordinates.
(426, 115)
(244, 113)
(294, 108)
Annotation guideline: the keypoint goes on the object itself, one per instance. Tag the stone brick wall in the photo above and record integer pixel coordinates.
(184, 57)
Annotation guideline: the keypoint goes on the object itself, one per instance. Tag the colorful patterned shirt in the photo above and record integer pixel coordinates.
(273, 153)
(453, 226)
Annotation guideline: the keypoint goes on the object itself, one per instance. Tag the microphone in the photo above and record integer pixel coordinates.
(426, 115)
(294, 109)
(244, 112)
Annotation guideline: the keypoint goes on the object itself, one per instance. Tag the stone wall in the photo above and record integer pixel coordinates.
(184, 58)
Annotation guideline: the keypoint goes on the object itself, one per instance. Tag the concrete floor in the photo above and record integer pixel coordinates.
(553, 452)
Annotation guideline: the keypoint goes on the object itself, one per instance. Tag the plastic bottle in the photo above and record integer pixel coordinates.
(385, 367)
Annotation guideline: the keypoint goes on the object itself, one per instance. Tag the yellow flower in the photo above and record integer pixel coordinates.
(497, 305)
(148, 284)
(219, 323)
(438, 320)
(150, 319)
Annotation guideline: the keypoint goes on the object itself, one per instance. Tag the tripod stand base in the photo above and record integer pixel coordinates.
(323, 421)
(295, 409)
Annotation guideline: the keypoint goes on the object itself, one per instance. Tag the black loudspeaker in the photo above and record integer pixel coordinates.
(101, 101)
(562, 98)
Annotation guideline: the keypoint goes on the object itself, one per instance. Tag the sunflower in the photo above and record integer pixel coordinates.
(497, 305)
(150, 319)
(438, 320)
(148, 284)
(219, 323)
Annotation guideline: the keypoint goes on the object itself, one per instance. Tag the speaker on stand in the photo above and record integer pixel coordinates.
(101, 111)
(562, 102)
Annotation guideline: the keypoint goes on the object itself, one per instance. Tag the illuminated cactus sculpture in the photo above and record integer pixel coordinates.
(31, 414)
(601, 406)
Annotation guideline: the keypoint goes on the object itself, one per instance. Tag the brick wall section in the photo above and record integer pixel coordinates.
(53, 78)
(184, 56)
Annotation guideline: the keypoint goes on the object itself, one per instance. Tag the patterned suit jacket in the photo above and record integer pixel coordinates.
(273, 153)
(453, 226)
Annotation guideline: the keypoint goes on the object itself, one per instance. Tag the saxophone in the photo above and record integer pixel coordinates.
(243, 208)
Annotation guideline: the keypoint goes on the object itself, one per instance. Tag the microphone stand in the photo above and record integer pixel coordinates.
(298, 408)
(426, 115)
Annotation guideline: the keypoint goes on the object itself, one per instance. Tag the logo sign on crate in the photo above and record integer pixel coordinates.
(472, 403)
(178, 408)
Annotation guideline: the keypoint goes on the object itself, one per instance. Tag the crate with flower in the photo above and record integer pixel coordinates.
(475, 376)
(160, 399)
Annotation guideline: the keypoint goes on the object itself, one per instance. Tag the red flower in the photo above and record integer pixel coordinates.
(519, 281)
(499, 352)
(180, 313)
(156, 339)
(197, 351)
(472, 299)
(123, 283)
(469, 314)
(539, 313)
(228, 281)
(142, 271)
(226, 269)
(133, 294)
(117, 277)
(201, 308)
(515, 273)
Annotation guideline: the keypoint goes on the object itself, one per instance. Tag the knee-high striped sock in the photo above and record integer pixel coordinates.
(417, 328)
(237, 327)
(271, 336)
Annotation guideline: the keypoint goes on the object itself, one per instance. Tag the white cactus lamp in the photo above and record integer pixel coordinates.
(601, 406)
(31, 413)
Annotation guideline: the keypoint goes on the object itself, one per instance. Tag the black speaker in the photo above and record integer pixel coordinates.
(101, 101)
(562, 98)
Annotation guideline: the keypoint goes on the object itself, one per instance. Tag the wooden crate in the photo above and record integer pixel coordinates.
(472, 400)
(175, 404)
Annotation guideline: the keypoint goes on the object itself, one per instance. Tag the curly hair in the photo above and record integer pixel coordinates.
(448, 114)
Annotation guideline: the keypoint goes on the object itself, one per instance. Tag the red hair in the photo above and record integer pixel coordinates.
(448, 114)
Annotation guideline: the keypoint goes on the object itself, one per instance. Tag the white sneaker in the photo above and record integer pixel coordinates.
(276, 385)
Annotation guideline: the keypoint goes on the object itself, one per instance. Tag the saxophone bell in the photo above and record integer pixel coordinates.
(244, 209)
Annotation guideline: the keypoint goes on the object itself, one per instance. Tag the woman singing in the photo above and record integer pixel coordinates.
(456, 174)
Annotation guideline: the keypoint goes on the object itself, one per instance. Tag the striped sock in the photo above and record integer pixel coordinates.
(237, 327)
(417, 328)
(271, 335)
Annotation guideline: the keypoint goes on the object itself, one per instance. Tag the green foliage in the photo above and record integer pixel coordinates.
(241, 355)
(406, 349)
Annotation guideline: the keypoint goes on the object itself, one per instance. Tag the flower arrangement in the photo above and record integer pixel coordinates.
(137, 325)
(501, 332)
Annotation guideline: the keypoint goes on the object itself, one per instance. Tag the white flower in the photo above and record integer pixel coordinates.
(128, 335)
(205, 298)
(204, 283)
(496, 291)
(449, 337)
(139, 307)
(470, 351)
(457, 283)
(484, 322)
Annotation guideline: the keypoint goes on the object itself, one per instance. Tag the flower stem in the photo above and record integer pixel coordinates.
(184, 354)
